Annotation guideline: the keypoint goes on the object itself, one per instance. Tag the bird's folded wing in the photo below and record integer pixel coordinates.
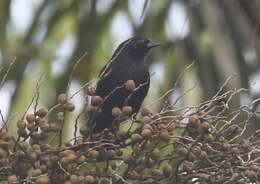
(107, 68)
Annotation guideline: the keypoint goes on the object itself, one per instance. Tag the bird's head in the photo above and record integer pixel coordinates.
(136, 47)
(139, 47)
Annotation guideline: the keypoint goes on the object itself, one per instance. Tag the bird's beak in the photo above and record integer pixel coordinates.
(151, 45)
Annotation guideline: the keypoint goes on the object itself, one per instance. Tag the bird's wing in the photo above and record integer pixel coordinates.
(138, 96)
(106, 70)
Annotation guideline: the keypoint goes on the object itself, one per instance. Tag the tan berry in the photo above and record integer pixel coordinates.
(12, 179)
(4, 144)
(122, 134)
(165, 136)
(36, 172)
(62, 98)
(116, 112)
(89, 90)
(205, 126)
(127, 110)
(146, 133)
(196, 151)
(181, 151)
(145, 112)
(203, 155)
(3, 153)
(130, 85)
(84, 130)
(155, 154)
(81, 179)
(251, 175)
(147, 126)
(93, 154)
(30, 118)
(97, 101)
(71, 158)
(39, 121)
(42, 112)
(45, 127)
(146, 119)
(89, 179)
(254, 168)
(69, 106)
(194, 121)
(4, 134)
(136, 137)
(167, 170)
(74, 179)
(21, 124)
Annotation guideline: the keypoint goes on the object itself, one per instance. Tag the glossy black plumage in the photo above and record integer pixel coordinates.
(127, 63)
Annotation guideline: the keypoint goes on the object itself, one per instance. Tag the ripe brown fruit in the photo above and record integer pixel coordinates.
(130, 85)
(146, 120)
(89, 179)
(84, 130)
(97, 101)
(122, 134)
(203, 155)
(4, 144)
(93, 154)
(69, 106)
(146, 133)
(165, 136)
(42, 112)
(36, 172)
(127, 111)
(167, 170)
(196, 151)
(136, 137)
(116, 112)
(71, 158)
(81, 179)
(205, 126)
(251, 175)
(12, 179)
(181, 151)
(21, 125)
(155, 154)
(30, 118)
(145, 112)
(3, 153)
(62, 98)
(74, 179)
(194, 121)
(45, 127)
(254, 168)
(90, 90)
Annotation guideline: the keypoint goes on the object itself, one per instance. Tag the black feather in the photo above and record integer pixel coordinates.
(127, 63)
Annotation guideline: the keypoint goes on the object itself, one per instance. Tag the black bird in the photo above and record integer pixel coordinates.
(127, 63)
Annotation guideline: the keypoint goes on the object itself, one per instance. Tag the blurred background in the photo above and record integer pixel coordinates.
(47, 37)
